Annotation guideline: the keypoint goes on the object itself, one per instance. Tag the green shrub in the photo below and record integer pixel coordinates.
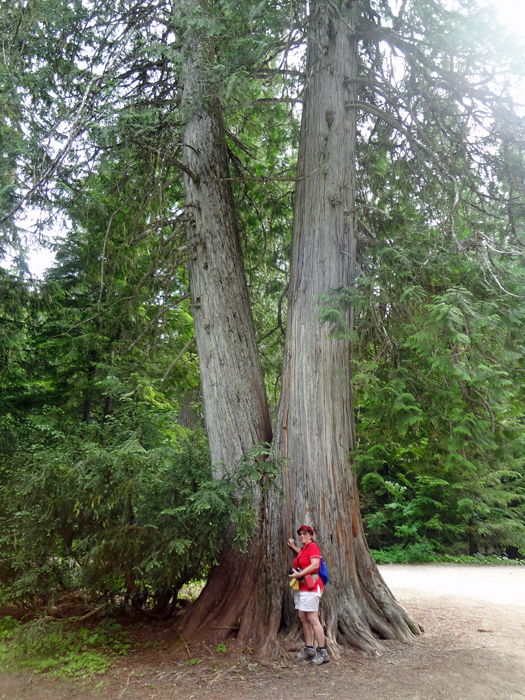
(126, 511)
(424, 555)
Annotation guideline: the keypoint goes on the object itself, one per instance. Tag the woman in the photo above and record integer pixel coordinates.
(306, 569)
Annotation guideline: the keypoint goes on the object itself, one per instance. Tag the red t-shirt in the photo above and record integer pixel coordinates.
(303, 559)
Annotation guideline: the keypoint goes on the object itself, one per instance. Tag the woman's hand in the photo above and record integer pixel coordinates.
(292, 545)
(296, 574)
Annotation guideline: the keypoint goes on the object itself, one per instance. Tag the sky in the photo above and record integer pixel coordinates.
(510, 12)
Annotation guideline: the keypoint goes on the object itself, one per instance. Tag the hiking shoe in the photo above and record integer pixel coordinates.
(306, 654)
(321, 657)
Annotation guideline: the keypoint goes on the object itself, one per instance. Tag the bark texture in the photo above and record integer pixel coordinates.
(315, 427)
(235, 405)
(234, 396)
(248, 596)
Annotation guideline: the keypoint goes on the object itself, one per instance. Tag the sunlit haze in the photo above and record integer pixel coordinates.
(510, 13)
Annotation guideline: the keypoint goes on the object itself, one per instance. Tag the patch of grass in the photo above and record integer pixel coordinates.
(8, 627)
(56, 647)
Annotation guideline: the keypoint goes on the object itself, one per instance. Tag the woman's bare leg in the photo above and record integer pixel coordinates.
(312, 620)
(308, 630)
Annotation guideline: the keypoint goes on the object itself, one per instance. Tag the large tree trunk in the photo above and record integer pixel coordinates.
(234, 395)
(315, 427)
(247, 596)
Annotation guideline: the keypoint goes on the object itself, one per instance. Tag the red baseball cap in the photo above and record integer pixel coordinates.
(307, 528)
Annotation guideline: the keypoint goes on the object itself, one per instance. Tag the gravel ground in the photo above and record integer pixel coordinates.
(473, 649)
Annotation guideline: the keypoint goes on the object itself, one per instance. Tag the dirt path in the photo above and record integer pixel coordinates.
(473, 649)
(502, 585)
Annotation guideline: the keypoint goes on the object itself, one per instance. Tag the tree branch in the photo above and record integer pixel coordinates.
(156, 318)
(181, 353)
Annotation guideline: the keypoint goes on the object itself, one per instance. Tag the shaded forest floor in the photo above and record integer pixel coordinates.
(473, 649)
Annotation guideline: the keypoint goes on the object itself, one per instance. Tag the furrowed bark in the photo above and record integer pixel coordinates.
(315, 427)
(234, 396)
(247, 596)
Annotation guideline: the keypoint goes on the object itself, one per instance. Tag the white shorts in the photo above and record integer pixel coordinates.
(307, 601)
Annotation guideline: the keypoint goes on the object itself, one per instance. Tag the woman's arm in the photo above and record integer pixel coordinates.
(312, 568)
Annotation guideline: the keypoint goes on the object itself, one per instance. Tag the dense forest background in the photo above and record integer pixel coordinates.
(106, 483)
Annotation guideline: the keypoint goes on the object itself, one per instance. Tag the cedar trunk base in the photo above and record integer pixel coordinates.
(244, 603)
